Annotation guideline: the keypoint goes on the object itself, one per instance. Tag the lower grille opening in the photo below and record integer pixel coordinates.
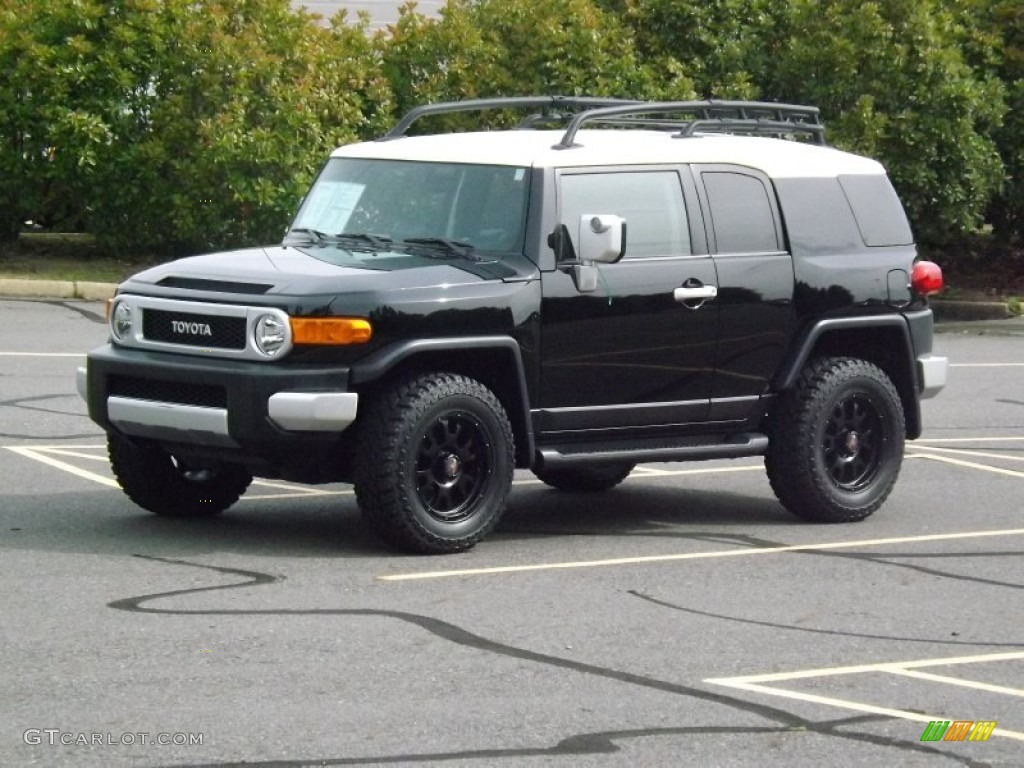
(183, 393)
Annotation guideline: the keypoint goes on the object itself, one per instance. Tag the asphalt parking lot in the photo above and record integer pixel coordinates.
(683, 618)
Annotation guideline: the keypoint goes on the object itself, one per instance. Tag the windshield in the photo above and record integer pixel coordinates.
(480, 207)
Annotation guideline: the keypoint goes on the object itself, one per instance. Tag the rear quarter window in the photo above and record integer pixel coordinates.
(877, 209)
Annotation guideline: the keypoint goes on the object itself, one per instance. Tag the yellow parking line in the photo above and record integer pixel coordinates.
(754, 684)
(42, 354)
(882, 666)
(70, 468)
(282, 496)
(74, 454)
(929, 441)
(856, 706)
(982, 454)
(986, 365)
(300, 489)
(971, 465)
(705, 555)
(946, 679)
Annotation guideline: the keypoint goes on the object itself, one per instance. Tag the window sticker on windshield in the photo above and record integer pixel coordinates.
(329, 206)
(520, 173)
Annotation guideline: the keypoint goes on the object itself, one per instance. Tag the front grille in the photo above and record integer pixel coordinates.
(193, 329)
(183, 393)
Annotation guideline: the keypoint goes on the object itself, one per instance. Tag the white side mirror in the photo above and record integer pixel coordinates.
(602, 238)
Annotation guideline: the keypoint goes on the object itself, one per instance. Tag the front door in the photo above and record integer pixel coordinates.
(640, 349)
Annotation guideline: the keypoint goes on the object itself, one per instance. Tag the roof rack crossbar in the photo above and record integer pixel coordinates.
(774, 127)
(572, 104)
(750, 116)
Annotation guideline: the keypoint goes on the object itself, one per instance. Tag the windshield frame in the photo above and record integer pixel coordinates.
(482, 206)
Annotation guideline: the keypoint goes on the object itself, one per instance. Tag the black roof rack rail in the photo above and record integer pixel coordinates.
(716, 116)
(553, 107)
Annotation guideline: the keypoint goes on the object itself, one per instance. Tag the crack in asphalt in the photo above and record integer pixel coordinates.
(580, 744)
(88, 314)
(813, 630)
(18, 403)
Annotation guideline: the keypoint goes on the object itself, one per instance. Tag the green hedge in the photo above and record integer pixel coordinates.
(170, 126)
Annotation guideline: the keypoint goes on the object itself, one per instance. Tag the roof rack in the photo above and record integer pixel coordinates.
(553, 108)
(688, 118)
(756, 117)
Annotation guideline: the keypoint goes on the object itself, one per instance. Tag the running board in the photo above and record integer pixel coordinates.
(648, 451)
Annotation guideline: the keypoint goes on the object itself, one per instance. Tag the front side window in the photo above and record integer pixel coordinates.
(483, 206)
(651, 202)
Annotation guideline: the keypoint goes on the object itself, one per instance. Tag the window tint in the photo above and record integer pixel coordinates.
(741, 212)
(877, 209)
(651, 202)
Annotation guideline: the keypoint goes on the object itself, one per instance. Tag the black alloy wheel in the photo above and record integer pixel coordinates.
(434, 464)
(836, 441)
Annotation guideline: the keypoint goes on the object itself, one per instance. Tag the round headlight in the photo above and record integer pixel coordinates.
(270, 335)
(121, 321)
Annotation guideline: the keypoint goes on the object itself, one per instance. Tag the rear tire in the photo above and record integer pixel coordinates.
(435, 463)
(168, 486)
(836, 441)
(585, 479)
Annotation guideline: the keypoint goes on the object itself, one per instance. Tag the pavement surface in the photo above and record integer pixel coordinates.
(684, 617)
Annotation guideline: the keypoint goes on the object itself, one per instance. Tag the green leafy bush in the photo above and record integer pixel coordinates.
(175, 125)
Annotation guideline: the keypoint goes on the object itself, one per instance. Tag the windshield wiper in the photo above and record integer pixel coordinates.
(452, 247)
(376, 242)
(356, 241)
(315, 234)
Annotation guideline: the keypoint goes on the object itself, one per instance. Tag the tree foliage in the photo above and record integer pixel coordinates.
(711, 49)
(175, 125)
(481, 48)
(893, 83)
(172, 125)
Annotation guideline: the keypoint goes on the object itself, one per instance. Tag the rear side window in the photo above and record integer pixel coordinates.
(877, 210)
(741, 212)
(651, 202)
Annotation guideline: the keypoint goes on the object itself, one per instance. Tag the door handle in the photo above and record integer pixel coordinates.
(695, 293)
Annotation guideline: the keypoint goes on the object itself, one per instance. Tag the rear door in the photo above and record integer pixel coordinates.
(635, 352)
(755, 285)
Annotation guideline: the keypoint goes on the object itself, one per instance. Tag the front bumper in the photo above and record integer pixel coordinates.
(259, 408)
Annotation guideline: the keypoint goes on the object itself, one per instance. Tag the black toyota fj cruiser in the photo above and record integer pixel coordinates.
(613, 282)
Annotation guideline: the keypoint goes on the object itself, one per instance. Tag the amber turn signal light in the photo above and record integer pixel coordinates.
(331, 330)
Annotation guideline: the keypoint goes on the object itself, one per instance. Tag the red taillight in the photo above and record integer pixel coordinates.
(926, 278)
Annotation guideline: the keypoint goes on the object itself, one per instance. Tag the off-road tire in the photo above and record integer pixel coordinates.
(836, 441)
(585, 479)
(161, 483)
(434, 463)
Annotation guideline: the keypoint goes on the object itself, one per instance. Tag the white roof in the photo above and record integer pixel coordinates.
(778, 158)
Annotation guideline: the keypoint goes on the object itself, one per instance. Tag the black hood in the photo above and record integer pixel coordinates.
(314, 269)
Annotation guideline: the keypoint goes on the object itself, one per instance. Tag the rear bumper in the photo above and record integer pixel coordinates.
(930, 368)
(931, 374)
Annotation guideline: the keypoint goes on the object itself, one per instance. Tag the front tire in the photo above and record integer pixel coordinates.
(435, 463)
(171, 487)
(836, 441)
(585, 479)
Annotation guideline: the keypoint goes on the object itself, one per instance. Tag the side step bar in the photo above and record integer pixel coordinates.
(641, 451)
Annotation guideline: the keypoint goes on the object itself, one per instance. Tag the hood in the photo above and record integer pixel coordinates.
(314, 269)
